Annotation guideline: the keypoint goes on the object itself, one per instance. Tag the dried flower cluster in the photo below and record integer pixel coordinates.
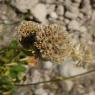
(51, 42)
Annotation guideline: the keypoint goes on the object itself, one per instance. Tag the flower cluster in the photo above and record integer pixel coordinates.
(51, 42)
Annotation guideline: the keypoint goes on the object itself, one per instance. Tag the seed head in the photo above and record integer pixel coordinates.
(50, 42)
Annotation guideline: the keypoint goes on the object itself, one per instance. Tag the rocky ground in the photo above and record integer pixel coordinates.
(77, 17)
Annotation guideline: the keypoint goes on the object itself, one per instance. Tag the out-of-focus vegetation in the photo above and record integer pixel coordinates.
(12, 69)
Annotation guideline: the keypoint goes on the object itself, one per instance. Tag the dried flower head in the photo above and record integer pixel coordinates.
(49, 42)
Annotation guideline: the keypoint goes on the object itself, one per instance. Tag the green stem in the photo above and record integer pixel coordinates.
(58, 79)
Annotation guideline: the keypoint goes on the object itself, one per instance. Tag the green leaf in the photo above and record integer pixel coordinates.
(15, 70)
(14, 44)
(10, 53)
(19, 68)
(22, 54)
(5, 83)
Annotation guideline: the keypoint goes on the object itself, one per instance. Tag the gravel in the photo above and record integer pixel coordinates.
(40, 12)
(69, 69)
(74, 25)
(24, 5)
(60, 10)
(48, 65)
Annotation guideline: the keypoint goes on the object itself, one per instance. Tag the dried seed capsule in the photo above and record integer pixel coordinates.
(50, 42)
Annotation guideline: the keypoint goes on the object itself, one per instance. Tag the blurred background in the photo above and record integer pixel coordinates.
(77, 18)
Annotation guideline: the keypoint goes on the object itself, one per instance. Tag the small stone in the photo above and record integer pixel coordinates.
(81, 16)
(93, 17)
(40, 91)
(81, 89)
(51, 8)
(66, 21)
(24, 5)
(76, 5)
(71, 15)
(40, 12)
(70, 69)
(53, 15)
(69, 84)
(83, 29)
(74, 25)
(60, 10)
(77, 70)
(87, 11)
(92, 92)
(46, 75)
(67, 4)
(61, 18)
(51, 93)
(36, 76)
(87, 8)
(74, 9)
(48, 65)
(86, 2)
